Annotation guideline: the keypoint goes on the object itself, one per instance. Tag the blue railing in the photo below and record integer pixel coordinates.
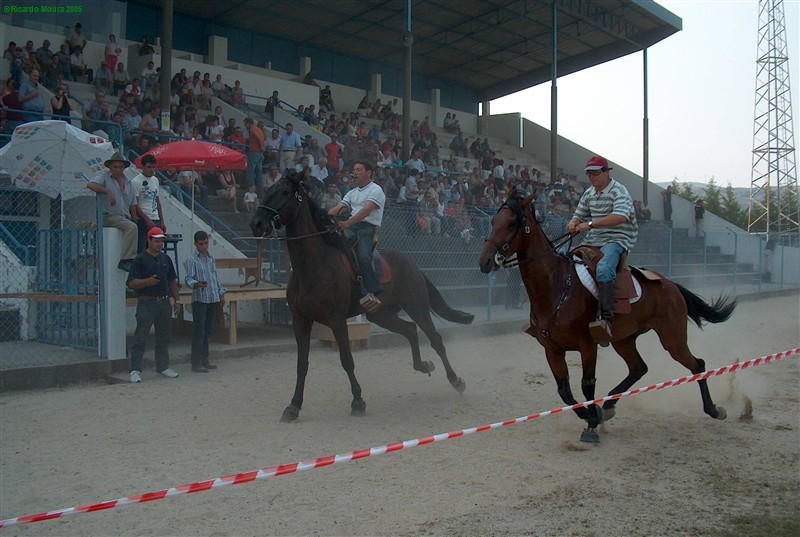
(22, 251)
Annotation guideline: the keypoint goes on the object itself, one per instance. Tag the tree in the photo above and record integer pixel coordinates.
(685, 192)
(712, 197)
(731, 210)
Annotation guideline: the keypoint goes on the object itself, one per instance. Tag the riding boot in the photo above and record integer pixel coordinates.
(601, 328)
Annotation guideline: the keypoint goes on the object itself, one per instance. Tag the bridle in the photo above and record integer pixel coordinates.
(275, 219)
(510, 261)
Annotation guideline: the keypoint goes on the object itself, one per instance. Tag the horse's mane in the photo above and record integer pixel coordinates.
(319, 216)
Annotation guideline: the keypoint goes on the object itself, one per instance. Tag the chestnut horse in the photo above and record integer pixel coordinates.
(561, 310)
(323, 289)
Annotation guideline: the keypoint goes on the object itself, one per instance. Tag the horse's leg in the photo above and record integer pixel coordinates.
(339, 328)
(588, 382)
(558, 366)
(673, 339)
(424, 321)
(626, 348)
(387, 318)
(302, 335)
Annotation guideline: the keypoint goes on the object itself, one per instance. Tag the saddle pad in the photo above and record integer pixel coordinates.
(383, 272)
(588, 282)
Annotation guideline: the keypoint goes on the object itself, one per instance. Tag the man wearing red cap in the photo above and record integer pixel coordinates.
(605, 213)
(153, 276)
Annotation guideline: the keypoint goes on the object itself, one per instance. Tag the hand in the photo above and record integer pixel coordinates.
(201, 284)
(111, 198)
(177, 306)
(572, 227)
(152, 280)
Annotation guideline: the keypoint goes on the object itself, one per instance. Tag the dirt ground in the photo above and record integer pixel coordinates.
(662, 467)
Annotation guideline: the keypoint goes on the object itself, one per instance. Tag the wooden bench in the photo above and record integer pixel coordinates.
(247, 264)
(233, 296)
(357, 331)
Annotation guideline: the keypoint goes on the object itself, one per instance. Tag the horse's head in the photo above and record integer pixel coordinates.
(505, 240)
(280, 205)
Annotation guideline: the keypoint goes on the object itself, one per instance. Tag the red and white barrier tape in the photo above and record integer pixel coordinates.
(295, 467)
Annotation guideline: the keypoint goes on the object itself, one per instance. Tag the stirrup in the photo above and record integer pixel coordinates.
(600, 331)
(370, 303)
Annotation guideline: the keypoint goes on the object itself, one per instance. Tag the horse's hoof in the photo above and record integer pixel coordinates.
(608, 413)
(590, 436)
(459, 385)
(290, 415)
(721, 413)
(358, 408)
(426, 367)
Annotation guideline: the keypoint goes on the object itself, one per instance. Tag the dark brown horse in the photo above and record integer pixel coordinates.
(322, 289)
(561, 310)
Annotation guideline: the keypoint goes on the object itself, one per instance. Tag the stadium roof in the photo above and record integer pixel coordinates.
(497, 47)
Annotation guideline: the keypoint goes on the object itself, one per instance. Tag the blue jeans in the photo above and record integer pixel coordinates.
(254, 173)
(150, 313)
(366, 236)
(203, 316)
(607, 267)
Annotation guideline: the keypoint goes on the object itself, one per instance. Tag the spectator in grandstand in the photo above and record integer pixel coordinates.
(666, 194)
(10, 101)
(333, 152)
(273, 174)
(51, 74)
(213, 129)
(309, 78)
(104, 78)
(415, 162)
(428, 219)
(145, 47)
(61, 104)
(149, 75)
(131, 122)
(192, 182)
(475, 149)
(121, 78)
(15, 59)
(273, 102)
(218, 86)
(119, 205)
(115, 129)
(237, 95)
(250, 199)
(112, 52)
(228, 188)
(31, 97)
(642, 212)
(326, 98)
(43, 54)
(76, 38)
(255, 155)
(78, 66)
(272, 148)
(148, 204)
(331, 198)
(290, 142)
(150, 122)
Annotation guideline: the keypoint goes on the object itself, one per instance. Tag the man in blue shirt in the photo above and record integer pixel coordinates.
(207, 296)
(290, 141)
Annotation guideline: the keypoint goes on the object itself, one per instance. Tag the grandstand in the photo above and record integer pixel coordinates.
(447, 84)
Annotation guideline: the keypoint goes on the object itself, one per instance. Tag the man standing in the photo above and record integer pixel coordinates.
(666, 194)
(207, 296)
(148, 204)
(31, 97)
(365, 204)
(153, 276)
(255, 155)
(290, 141)
(119, 209)
(605, 213)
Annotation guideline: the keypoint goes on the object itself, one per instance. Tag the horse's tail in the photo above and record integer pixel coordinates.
(440, 307)
(699, 310)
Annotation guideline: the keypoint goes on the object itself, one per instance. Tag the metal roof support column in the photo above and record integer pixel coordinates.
(166, 62)
(408, 41)
(554, 96)
(645, 135)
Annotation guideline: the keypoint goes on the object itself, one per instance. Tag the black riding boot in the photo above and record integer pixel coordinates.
(601, 328)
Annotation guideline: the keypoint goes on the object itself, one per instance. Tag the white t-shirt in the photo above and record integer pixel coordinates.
(250, 197)
(356, 198)
(145, 190)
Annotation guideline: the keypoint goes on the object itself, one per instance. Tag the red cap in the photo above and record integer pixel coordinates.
(597, 163)
(156, 233)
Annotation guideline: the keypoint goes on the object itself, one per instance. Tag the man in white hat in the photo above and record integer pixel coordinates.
(119, 205)
(605, 213)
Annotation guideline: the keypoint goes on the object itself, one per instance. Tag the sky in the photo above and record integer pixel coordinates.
(701, 97)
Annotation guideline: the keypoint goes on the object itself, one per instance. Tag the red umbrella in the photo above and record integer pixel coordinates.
(196, 155)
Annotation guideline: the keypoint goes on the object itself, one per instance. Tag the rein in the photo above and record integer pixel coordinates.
(276, 221)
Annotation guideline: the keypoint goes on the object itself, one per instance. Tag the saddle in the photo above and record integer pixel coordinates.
(379, 264)
(628, 289)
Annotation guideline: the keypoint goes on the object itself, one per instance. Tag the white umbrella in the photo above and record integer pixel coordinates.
(54, 158)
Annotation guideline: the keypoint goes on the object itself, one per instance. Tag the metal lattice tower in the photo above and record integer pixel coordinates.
(773, 187)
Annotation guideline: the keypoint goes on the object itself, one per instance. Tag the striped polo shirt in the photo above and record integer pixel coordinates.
(614, 199)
